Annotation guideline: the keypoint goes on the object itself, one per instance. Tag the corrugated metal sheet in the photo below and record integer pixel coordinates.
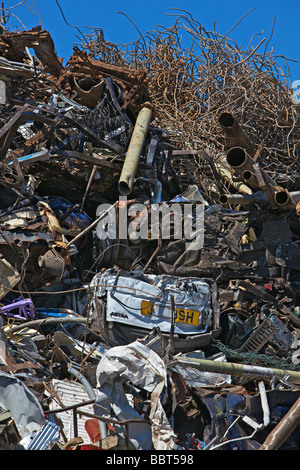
(71, 393)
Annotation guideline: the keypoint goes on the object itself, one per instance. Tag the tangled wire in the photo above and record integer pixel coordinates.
(196, 74)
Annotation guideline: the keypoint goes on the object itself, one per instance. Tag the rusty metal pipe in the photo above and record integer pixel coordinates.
(235, 133)
(249, 177)
(284, 428)
(258, 198)
(282, 198)
(285, 199)
(135, 149)
(239, 160)
(242, 164)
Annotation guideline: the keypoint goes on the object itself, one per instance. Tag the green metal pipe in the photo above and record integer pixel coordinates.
(135, 149)
(230, 368)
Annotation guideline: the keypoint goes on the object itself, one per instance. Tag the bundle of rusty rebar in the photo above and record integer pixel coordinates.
(195, 74)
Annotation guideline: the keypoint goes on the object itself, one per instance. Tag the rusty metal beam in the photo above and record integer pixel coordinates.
(39, 40)
(284, 428)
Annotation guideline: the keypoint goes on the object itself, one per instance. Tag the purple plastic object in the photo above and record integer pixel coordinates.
(26, 309)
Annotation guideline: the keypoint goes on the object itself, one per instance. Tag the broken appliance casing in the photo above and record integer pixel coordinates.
(129, 305)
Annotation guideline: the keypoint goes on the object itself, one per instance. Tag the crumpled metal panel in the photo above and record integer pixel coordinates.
(146, 301)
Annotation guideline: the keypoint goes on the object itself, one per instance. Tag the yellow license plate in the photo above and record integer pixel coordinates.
(182, 315)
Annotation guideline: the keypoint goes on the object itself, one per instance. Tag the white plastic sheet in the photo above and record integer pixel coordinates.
(140, 366)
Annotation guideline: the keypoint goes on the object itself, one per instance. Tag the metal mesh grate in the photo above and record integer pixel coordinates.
(107, 120)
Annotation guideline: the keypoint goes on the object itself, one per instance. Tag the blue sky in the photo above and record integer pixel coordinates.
(118, 29)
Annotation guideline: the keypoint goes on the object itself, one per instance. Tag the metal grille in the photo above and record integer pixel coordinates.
(107, 119)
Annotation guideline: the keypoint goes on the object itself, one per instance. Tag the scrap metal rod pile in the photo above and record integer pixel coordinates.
(117, 329)
(195, 74)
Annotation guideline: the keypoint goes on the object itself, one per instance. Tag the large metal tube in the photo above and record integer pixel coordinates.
(243, 165)
(244, 199)
(235, 133)
(282, 198)
(284, 428)
(242, 370)
(240, 160)
(285, 199)
(135, 149)
(249, 177)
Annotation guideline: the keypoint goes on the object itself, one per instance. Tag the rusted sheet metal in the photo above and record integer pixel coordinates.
(89, 75)
(13, 44)
(19, 367)
(95, 159)
(80, 62)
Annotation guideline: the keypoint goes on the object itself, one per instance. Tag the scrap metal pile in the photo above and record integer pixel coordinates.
(114, 340)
